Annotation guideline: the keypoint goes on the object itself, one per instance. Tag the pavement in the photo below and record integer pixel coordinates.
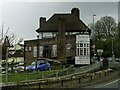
(84, 69)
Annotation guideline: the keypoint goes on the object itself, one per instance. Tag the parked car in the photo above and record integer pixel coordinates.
(110, 58)
(42, 65)
(117, 59)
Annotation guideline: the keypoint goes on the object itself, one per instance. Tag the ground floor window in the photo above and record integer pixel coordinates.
(68, 49)
(82, 49)
(41, 51)
(54, 50)
(35, 52)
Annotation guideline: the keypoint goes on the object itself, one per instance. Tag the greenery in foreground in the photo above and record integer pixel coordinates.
(24, 76)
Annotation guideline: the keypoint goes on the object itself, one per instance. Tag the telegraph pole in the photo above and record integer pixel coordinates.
(6, 44)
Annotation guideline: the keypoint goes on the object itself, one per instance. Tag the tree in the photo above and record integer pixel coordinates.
(106, 31)
(105, 27)
(12, 38)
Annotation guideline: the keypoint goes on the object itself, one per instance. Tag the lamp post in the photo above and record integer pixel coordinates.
(37, 50)
(94, 24)
(94, 35)
(112, 50)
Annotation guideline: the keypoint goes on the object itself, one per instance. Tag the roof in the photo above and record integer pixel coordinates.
(17, 47)
(72, 24)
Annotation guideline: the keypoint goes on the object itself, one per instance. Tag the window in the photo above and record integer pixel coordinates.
(82, 48)
(54, 50)
(81, 51)
(81, 44)
(68, 49)
(35, 52)
(77, 49)
(85, 45)
(41, 51)
(47, 35)
(85, 51)
(26, 49)
(30, 49)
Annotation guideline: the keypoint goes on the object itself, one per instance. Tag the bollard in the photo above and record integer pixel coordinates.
(57, 73)
(62, 82)
(99, 75)
(71, 77)
(79, 80)
(91, 77)
(105, 72)
(39, 86)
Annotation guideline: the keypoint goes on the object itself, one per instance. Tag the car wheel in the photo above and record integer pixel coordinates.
(38, 69)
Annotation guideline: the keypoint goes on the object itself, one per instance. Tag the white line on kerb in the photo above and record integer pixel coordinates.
(109, 83)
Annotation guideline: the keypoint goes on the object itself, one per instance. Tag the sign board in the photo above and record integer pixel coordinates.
(82, 60)
(100, 50)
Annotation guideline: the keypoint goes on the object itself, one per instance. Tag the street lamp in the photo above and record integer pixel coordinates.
(112, 50)
(94, 24)
(94, 35)
(37, 50)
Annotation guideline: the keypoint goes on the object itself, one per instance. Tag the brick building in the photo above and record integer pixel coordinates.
(57, 38)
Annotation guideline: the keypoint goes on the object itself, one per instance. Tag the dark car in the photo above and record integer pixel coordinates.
(42, 65)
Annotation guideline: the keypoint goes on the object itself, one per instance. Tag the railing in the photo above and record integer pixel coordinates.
(67, 78)
(69, 81)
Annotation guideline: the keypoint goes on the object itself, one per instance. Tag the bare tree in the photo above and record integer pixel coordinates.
(13, 39)
(105, 27)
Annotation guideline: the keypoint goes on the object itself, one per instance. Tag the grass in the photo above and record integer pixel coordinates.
(23, 76)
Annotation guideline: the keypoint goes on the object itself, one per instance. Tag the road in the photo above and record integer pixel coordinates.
(110, 84)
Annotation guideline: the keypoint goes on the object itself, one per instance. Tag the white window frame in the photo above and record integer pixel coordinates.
(30, 49)
(54, 50)
(68, 49)
(35, 51)
(26, 49)
(40, 51)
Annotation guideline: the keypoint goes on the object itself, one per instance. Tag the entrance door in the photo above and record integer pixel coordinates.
(46, 52)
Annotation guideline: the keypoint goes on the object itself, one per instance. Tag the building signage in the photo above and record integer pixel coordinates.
(82, 49)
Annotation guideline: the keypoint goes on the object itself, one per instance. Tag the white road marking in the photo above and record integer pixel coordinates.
(108, 83)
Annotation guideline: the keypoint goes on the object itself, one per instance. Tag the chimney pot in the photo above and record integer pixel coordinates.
(42, 22)
(75, 11)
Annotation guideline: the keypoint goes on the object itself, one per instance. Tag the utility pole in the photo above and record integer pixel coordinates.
(2, 31)
(94, 32)
(94, 25)
(112, 49)
(7, 45)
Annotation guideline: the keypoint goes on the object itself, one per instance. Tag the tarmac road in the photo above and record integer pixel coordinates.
(110, 84)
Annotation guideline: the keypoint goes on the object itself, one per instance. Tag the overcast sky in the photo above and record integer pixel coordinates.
(23, 17)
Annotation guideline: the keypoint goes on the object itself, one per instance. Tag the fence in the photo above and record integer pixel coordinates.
(68, 81)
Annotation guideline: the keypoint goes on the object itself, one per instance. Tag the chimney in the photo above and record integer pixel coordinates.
(75, 11)
(42, 22)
